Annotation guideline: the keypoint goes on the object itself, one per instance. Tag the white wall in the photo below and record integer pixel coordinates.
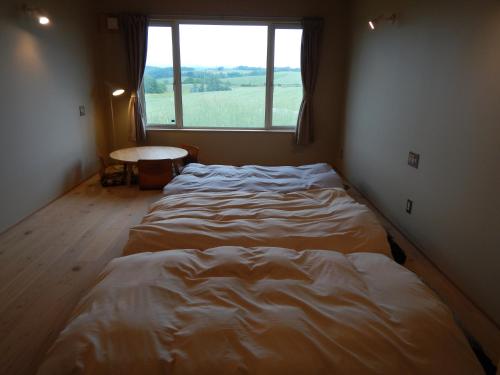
(431, 84)
(45, 74)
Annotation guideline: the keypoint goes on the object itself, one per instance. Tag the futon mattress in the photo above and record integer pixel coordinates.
(234, 310)
(326, 219)
(253, 178)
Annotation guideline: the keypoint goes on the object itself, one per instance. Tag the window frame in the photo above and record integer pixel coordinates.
(271, 24)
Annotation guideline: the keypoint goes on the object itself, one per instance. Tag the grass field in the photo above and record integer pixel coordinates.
(241, 107)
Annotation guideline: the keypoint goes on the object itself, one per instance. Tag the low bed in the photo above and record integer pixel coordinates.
(234, 310)
(253, 178)
(327, 219)
(287, 274)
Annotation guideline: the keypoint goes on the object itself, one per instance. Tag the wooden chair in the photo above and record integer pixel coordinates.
(154, 174)
(192, 157)
(111, 175)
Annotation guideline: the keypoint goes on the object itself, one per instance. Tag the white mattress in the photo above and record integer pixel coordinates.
(253, 178)
(323, 218)
(259, 311)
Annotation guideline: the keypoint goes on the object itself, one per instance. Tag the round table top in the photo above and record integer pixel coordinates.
(133, 154)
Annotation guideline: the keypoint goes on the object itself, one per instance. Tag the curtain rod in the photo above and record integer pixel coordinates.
(194, 17)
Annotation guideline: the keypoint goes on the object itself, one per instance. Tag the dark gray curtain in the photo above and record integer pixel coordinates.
(135, 29)
(309, 60)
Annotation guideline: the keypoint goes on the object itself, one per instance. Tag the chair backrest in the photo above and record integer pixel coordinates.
(193, 152)
(154, 174)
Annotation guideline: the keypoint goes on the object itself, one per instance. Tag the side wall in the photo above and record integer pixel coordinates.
(431, 84)
(243, 146)
(45, 146)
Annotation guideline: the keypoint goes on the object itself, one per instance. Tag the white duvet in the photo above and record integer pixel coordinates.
(323, 218)
(259, 311)
(253, 178)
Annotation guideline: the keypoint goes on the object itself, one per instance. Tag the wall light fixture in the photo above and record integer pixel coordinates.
(37, 14)
(374, 22)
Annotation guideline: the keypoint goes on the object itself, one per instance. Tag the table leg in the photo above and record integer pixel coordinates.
(127, 167)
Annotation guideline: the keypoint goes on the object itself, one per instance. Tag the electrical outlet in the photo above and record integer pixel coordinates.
(409, 206)
(82, 110)
(413, 159)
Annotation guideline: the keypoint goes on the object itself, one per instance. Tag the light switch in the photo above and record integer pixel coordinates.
(82, 110)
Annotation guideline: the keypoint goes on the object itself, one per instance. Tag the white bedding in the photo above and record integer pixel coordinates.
(253, 178)
(323, 218)
(259, 311)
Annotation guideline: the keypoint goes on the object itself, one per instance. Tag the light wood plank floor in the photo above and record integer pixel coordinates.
(48, 261)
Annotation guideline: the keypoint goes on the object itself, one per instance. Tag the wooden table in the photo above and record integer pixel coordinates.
(133, 154)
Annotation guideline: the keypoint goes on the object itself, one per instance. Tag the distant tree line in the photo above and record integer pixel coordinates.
(157, 72)
(153, 85)
(221, 72)
(208, 83)
(202, 80)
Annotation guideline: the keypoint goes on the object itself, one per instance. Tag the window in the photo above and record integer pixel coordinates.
(158, 78)
(223, 75)
(287, 87)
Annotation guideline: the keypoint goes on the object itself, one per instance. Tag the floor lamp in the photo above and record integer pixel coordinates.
(113, 91)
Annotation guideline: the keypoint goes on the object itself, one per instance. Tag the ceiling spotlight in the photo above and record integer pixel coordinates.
(372, 23)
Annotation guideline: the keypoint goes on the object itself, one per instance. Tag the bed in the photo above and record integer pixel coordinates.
(224, 281)
(236, 310)
(197, 177)
(327, 219)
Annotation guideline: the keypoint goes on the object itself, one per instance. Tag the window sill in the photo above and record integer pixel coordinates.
(215, 130)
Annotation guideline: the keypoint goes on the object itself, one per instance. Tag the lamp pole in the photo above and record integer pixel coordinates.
(113, 92)
(113, 144)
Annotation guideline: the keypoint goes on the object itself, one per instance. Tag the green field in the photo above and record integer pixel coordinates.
(239, 103)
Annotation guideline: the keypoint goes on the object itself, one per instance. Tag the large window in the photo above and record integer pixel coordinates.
(242, 76)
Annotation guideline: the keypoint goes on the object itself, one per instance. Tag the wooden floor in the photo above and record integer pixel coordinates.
(50, 259)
